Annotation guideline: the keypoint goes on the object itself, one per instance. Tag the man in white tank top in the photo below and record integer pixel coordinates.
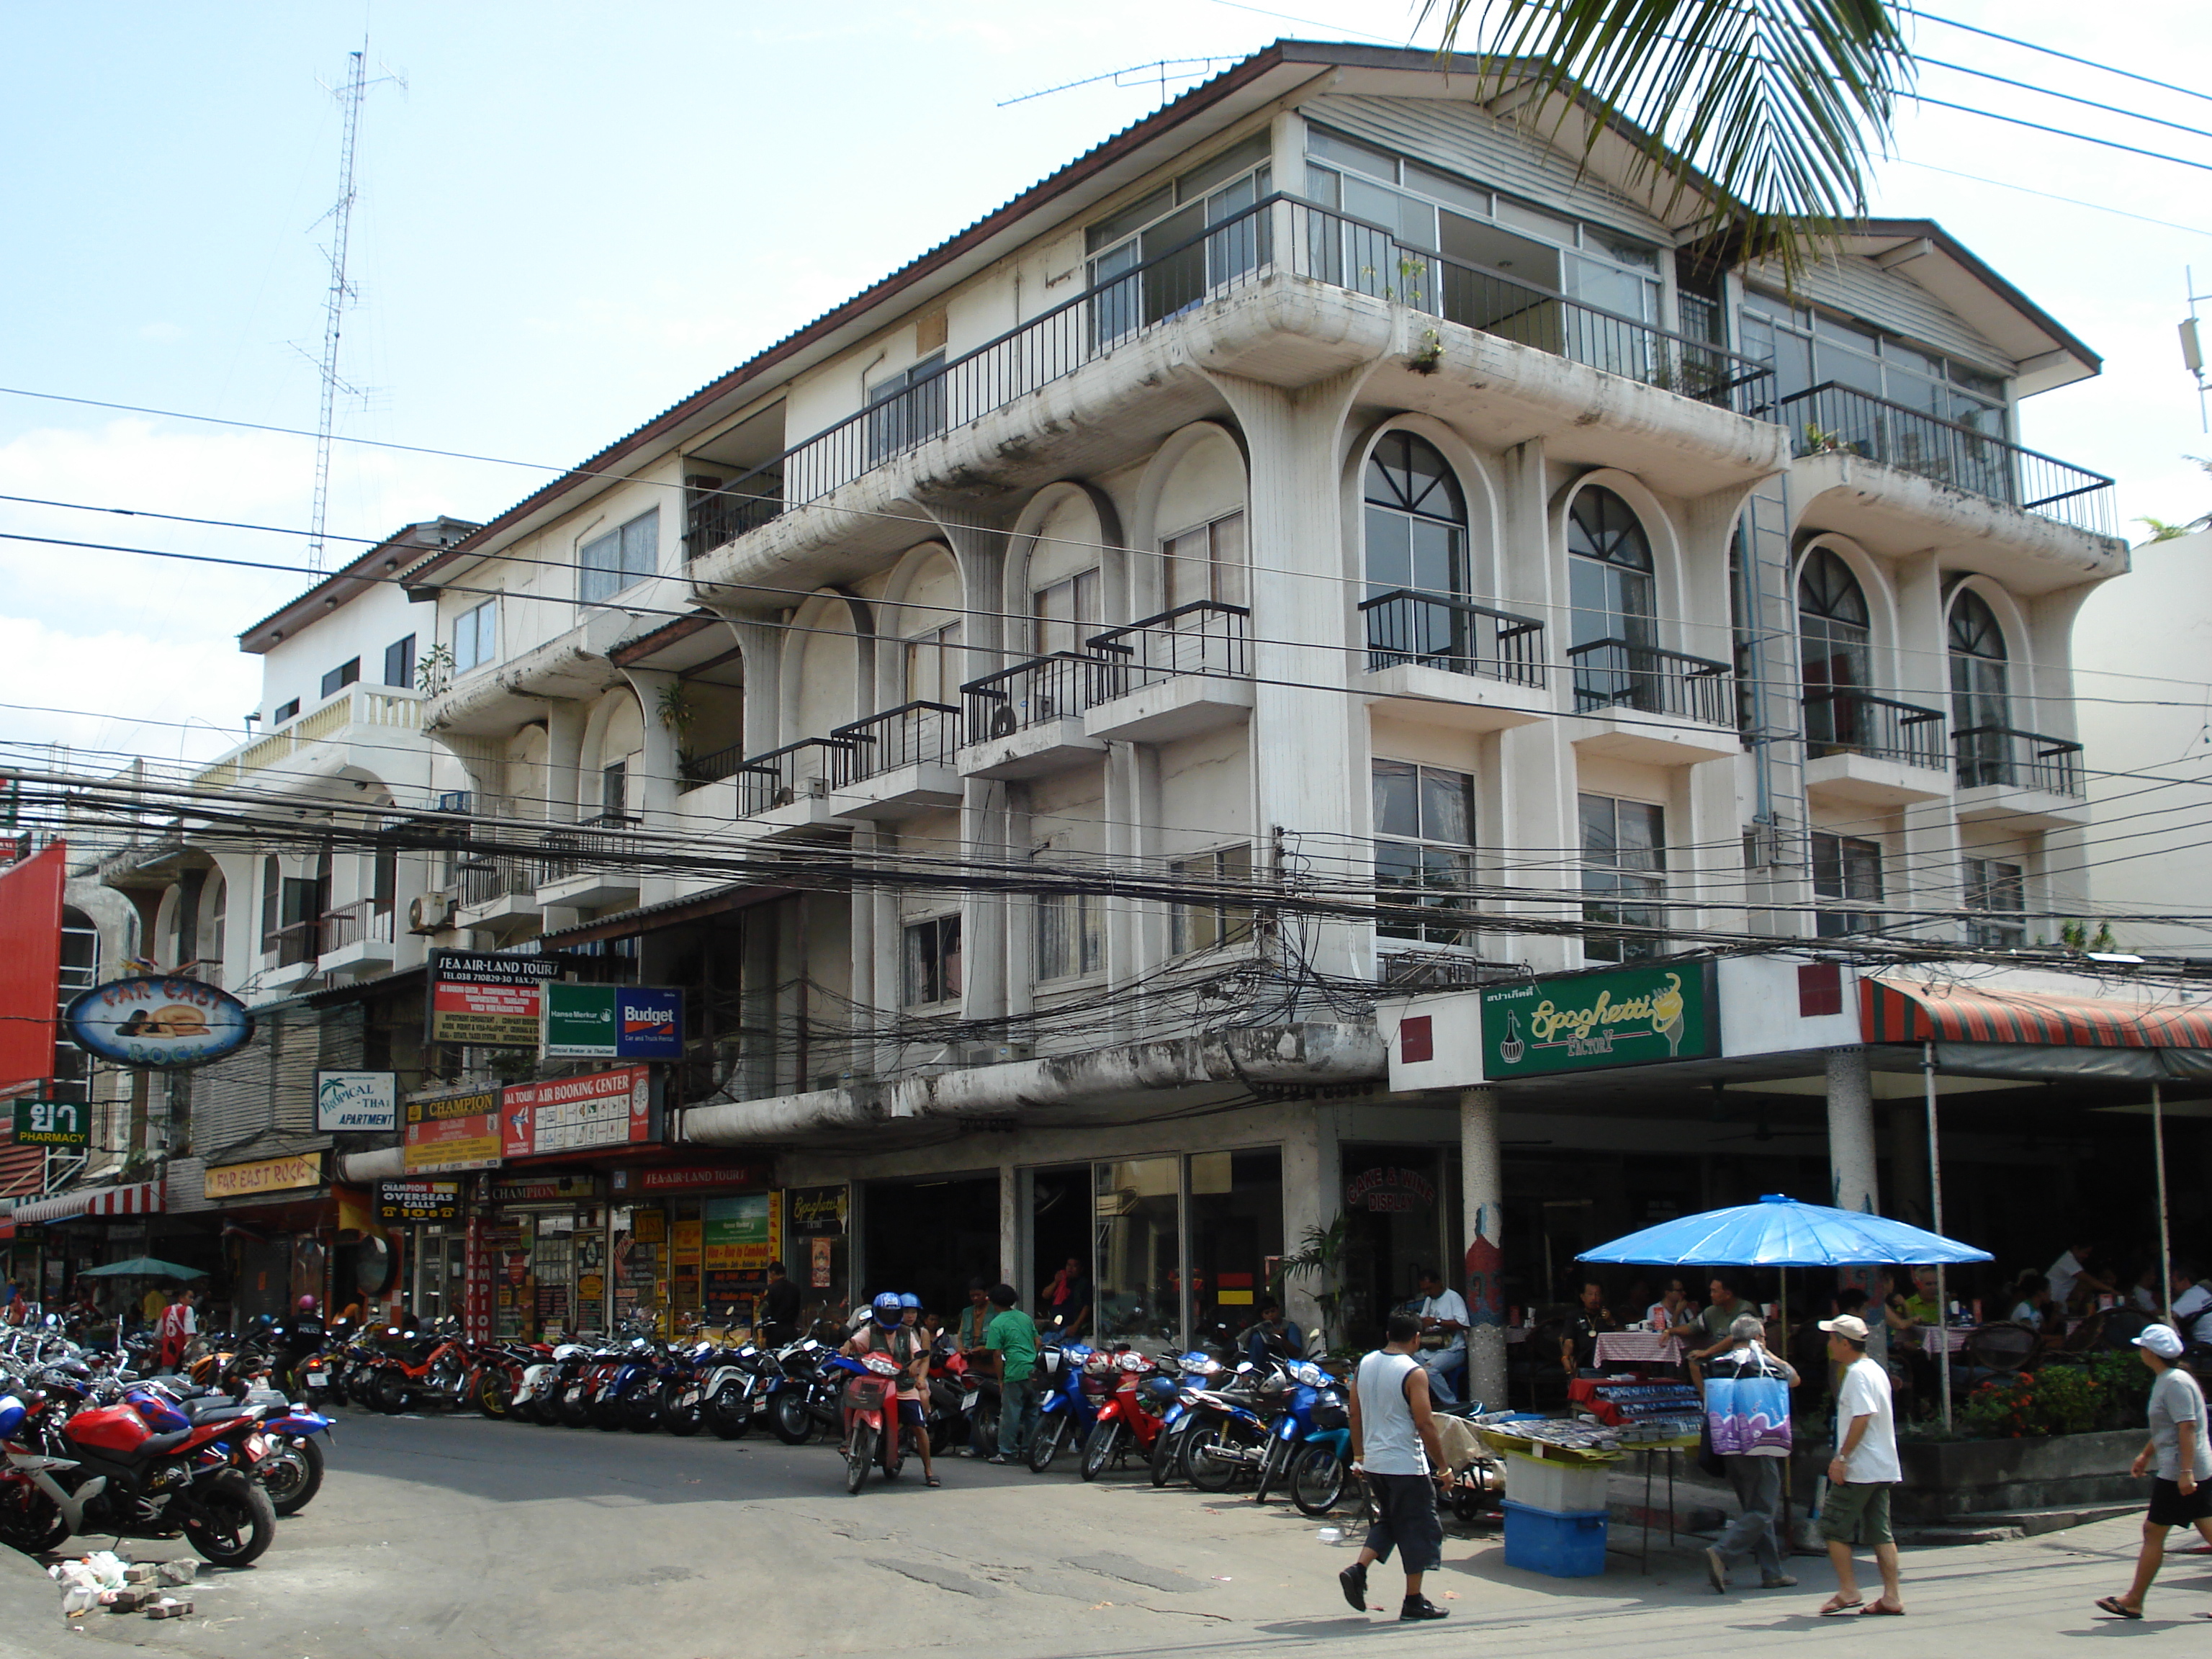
(1395, 1445)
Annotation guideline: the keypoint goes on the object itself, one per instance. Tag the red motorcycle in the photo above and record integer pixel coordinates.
(871, 1417)
(1127, 1417)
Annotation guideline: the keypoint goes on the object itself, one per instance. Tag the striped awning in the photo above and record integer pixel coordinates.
(143, 1197)
(1901, 1011)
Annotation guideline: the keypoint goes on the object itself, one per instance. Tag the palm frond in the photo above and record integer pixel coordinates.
(1768, 113)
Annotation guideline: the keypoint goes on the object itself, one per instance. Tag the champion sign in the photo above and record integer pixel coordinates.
(612, 1022)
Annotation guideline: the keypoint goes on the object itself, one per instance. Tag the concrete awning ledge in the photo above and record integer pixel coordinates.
(1314, 1056)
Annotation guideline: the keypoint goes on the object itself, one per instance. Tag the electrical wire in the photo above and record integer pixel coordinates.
(2068, 97)
(2052, 52)
(2048, 196)
(2057, 132)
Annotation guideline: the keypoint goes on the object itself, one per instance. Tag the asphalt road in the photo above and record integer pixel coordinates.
(458, 1537)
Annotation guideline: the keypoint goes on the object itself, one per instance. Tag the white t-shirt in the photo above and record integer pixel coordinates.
(2063, 1271)
(2028, 1314)
(2190, 1307)
(1865, 1393)
(1452, 1306)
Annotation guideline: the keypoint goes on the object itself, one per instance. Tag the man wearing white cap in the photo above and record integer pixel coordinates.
(1865, 1467)
(2177, 1457)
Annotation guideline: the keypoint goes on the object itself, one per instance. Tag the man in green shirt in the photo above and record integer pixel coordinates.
(1720, 1314)
(1012, 1338)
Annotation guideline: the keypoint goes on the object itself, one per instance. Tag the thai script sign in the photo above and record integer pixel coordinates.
(52, 1124)
(163, 1023)
(1586, 1022)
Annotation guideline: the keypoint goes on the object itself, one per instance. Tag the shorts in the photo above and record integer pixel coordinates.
(910, 1412)
(1856, 1514)
(1406, 1515)
(2169, 1508)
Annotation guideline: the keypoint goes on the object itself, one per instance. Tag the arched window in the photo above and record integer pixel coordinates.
(1416, 519)
(1832, 648)
(1609, 592)
(1981, 701)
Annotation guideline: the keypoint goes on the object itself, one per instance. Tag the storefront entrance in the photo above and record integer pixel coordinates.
(931, 1237)
(437, 1277)
(1401, 1216)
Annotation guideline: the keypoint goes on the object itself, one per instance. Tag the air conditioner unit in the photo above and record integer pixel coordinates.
(989, 1053)
(433, 912)
(455, 800)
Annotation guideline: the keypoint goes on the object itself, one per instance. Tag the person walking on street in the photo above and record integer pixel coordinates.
(1012, 1336)
(1865, 1467)
(2179, 1459)
(1394, 1446)
(1748, 1409)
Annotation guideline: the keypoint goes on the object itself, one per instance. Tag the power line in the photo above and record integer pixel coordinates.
(2068, 97)
(2053, 52)
(2048, 196)
(2058, 132)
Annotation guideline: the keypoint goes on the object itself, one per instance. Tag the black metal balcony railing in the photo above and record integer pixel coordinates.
(296, 942)
(594, 843)
(1058, 687)
(488, 878)
(699, 770)
(1840, 720)
(1203, 637)
(1834, 417)
(1280, 234)
(2013, 759)
(912, 734)
(1437, 631)
(1623, 674)
(810, 767)
(352, 924)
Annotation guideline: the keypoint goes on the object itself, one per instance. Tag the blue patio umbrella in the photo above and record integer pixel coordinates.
(1780, 1232)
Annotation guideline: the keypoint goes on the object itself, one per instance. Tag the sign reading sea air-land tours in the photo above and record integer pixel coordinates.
(491, 1001)
(612, 1022)
(52, 1124)
(164, 1023)
(452, 1132)
(418, 1201)
(1585, 1022)
(356, 1100)
(578, 1114)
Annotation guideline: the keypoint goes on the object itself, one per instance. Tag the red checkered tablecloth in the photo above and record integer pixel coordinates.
(1618, 1347)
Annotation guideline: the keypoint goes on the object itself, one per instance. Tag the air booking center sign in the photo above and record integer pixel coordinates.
(1590, 1021)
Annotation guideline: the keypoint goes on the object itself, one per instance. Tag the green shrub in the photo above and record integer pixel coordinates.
(2057, 1400)
(2126, 1382)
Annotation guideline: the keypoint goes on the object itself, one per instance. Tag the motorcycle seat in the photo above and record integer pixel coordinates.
(204, 1411)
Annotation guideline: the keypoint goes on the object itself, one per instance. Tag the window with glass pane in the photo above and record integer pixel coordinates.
(1167, 234)
(1065, 614)
(609, 564)
(1423, 848)
(1415, 530)
(1138, 1247)
(1998, 891)
(1847, 869)
(1220, 921)
(1609, 591)
(1981, 706)
(475, 636)
(1207, 564)
(1834, 651)
(1235, 1230)
(932, 665)
(906, 408)
(1624, 875)
(1070, 935)
(933, 960)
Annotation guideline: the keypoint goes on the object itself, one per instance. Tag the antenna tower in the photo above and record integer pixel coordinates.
(341, 294)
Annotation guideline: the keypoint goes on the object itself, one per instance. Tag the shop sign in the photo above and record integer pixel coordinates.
(167, 1024)
(491, 1001)
(267, 1175)
(578, 1114)
(818, 1262)
(543, 1189)
(52, 1124)
(1587, 1022)
(356, 1100)
(815, 1211)
(739, 1237)
(452, 1132)
(418, 1201)
(612, 1022)
(690, 1180)
(1389, 1191)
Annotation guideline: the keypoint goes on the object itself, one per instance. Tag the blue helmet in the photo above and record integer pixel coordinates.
(909, 1299)
(889, 1309)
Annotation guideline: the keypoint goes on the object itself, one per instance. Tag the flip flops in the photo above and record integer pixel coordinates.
(1875, 1610)
(1837, 1604)
(2117, 1609)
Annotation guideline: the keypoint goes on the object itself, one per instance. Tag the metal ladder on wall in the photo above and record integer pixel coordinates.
(1778, 850)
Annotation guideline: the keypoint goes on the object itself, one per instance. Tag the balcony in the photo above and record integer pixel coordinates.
(1834, 419)
(793, 789)
(1870, 750)
(1448, 654)
(699, 770)
(493, 889)
(899, 762)
(2031, 779)
(1184, 671)
(356, 935)
(1028, 719)
(589, 867)
(1660, 706)
(1281, 235)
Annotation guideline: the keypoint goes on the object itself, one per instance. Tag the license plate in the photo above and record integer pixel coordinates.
(688, 1397)
(318, 1379)
(968, 1404)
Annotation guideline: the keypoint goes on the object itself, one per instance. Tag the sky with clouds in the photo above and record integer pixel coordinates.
(570, 216)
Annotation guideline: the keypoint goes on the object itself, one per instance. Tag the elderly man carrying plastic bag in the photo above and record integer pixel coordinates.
(1748, 1415)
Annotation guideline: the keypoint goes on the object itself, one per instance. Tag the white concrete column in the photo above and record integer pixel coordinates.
(1010, 1226)
(1482, 1202)
(1313, 1193)
(1852, 1181)
(655, 798)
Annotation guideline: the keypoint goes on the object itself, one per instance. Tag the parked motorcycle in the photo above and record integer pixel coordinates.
(1128, 1414)
(1065, 1414)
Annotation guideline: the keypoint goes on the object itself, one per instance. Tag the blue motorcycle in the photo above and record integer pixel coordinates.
(1199, 1368)
(292, 1471)
(1229, 1432)
(1308, 1442)
(1064, 1418)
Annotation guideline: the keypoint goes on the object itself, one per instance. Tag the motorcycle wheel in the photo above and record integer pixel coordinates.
(388, 1394)
(607, 1413)
(679, 1419)
(859, 1452)
(1099, 1447)
(1167, 1455)
(574, 1410)
(360, 1385)
(235, 1521)
(640, 1406)
(32, 1522)
(894, 1450)
(789, 1419)
(1316, 1480)
(730, 1414)
(1200, 1465)
(1044, 1446)
(983, 1430)
(294, 1475)
(494, 1392)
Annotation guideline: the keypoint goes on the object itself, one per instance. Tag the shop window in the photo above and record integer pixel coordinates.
(620, 558)
(1139, 1245)
(1071, 934)
(1624, 876)
(932, 960)
(1206, 926)
(1997, 892)
(1423, 848)
(1847, 873)
(1236, 1209)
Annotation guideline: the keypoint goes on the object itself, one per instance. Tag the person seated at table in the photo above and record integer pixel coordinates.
(1443, 1314)
(2079, 1276)
(1721, 1313)
(1922, 1307)
(2145, 1298)
(1673, 1314)
(2192, 1305)
(1590, 1320)
(2033, 1306)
